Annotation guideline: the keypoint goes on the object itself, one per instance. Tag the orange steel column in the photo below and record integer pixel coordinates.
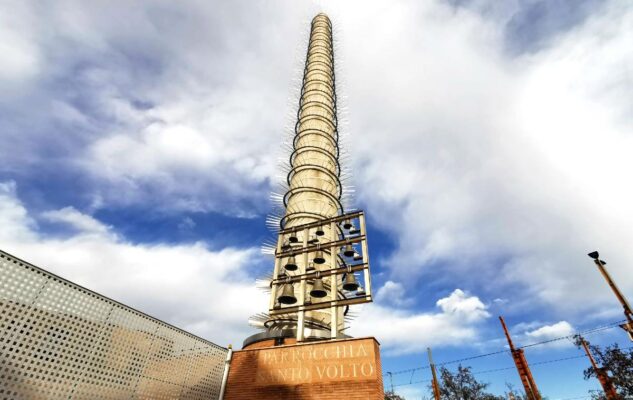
(628, 312)
(603, 377)
(436, 385)
(529, 385)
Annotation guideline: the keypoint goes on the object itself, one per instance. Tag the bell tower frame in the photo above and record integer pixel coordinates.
(321, 257)
(321, 265)
(348, 255)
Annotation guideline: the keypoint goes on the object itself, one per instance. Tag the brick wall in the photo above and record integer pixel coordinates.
(337, 369)
(270, 343)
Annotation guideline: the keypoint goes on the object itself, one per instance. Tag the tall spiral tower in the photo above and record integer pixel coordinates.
(315, 189)
(318, 248)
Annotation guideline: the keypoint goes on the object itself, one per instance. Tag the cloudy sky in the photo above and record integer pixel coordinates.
(490, 144)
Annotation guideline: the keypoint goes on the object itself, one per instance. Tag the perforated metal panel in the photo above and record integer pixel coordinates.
(61, 341)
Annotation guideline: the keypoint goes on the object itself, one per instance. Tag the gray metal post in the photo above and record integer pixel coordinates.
(225, 376)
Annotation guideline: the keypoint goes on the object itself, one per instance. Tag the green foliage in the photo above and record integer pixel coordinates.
(512, 393)
(619, 365)
(462, 385)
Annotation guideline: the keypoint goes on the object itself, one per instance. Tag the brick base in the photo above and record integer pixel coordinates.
(337, 369)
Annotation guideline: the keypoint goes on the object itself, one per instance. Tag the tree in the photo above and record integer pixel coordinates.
(462, 385)
(512, 393)
(617, 362)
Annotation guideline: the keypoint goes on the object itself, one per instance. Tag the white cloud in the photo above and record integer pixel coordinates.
(547, 332)
(82, 222)
(532, 332)
(206, 292)
(21, 58)
(459, 304)
(146, 119)
(177, 144)
(403, 330)
(393, 293)
(16, 224)
(503, 170)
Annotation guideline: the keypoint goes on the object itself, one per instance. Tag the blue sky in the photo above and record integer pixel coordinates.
(490, 145)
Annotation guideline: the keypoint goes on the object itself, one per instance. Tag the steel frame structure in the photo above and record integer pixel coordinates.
(601, 373)
(337, 268)
(523, 368)
(628, 311)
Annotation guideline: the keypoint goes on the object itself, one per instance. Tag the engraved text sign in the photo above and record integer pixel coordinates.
(326, 362)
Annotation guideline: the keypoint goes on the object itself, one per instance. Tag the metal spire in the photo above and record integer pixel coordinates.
(320, 249)
(314, 187)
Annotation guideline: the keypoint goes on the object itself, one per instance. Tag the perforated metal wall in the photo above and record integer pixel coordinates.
(61, 341)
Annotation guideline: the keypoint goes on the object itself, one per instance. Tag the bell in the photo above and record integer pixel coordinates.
(318, 290)
(320, 231)
(285, 246)
(347, 224)
(349, 251)
(313, 239)
(353, 230)
(318, 257)
(349, 283)
(287, 294)
(291, 265)
(293, 238)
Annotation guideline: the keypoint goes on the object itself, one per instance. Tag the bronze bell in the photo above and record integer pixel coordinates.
(319, 231)
(349, 283)
(293, 238)
(318, 290)
(347, 224)
(287, 294)
(353, 230)
(319, 258)
(349, 251)
(291, 265)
